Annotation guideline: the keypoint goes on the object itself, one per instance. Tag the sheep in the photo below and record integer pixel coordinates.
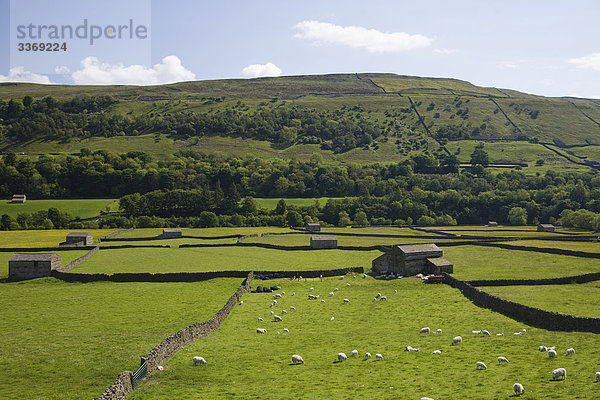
(570, 352)
(260, 319)
(261, 330)
(378, 295)
(524, 330)
(311, 289)
(293, 293)
(322, 301)
(272, 313)
(518, 388)
(297, 359)
(367, 356)
(543, 348)
(353, 276)
(241, 302)
(364, 276)
(499, 334)
(480, 365)
(354, 353)
(331, 294)
(408, 348)
(485, 333)
(374, 299)
(286, 330)
(552, 348)
(282, 293)
(396, 291)
(456, 341)
(279, 333)
(517, 333)
(332, 318)
(341, 277)
(597, 376)
(426, 398)
(378, 356)
(347, 284)
(342, 357)
(312, 297)
(383, 298)
(425, 330)
(438, 331)
(502, 360)
(292, 308)
(160, 367)
(336, 289)
(551, 353)
(198, 360)
(346, 301)
(277, 318)
(283, 311)
(558, 372)
(476, 332)
(274, 302)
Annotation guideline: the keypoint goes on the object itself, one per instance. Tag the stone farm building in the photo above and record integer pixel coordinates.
(19, 198)
(492, 223)
(323, 242)
(412, 260)
(312, 227)
(171, 233)
(79, 238)
(545, 228)
(30, 266)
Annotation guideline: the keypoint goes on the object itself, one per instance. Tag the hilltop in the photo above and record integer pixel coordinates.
(339, 118)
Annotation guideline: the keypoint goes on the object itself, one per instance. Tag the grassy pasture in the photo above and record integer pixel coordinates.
(43, 238)
(148, 232)
(242, 364)
(304, 240)
(582, 300)
(474, 262)
(221, 259)
(270, 204)
(82, 208)
(590, 247)
(70, 341)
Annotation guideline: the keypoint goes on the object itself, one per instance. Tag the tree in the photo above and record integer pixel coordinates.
(343, 219)
(517, 216)
(480, 157)
(360, 219)
(294, 218)
(208, 219)
(281, 207)
(249, 205)
(5, 222)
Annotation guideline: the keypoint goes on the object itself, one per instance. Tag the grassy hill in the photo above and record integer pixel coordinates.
(430, 115)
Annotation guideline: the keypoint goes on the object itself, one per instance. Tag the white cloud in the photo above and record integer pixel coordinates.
(18, 74)
(256, 70)
(358, 37)
(61, 70)
(96, 73)
(444, 51)
(591, 61)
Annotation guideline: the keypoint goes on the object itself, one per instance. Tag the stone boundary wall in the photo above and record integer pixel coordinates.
(239, 240)
(567, 280)
(116, 233)
(79, 260)
(529, 315)
(123, 386)
(135, 246)
(36, 249)
(288, 248)
(194, 276)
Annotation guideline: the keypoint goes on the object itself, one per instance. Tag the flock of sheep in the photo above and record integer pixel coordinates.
(518, 388)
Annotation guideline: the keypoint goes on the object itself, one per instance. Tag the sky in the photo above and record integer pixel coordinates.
(547, 47)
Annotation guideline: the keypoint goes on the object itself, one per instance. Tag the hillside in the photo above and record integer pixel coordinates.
(360, 118)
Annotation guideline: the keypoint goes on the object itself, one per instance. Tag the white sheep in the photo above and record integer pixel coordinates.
(198, 360)
(396, 291)
(378, 295)
(502, 360)
(283, 311)
(426, 398)
(383, 298)
(354, 353)
(597, 376)
(312, 297)
(485, 333)
(297, 359)
(279, 333)
(260, 319)
(272, 313)
(378, 356)
(336, 289)
(408, 348)
(341, 277)
(160, 367)
(241, 302)
(552, 348)
(274, 302)
(425, 330)
(524, 330)
(437, 352)
(286, 330)
(282, 292)
(457, 340)
(347, 284)
(346, 301)
(551, 353)
(570, 352)
(293, 293)
(292, 308)
(480, 365)
(277, 318)
(499, 334)
(374, 299)
(364, 276)
(518, 388)
(342, 357)
(438, 331)
(517, 333)
(332, 318)
(311, 289)
(331, 294)
(558, 372)
(543, 348)
(322, 301)
(476, 332)
(261, 330)
(367, 356)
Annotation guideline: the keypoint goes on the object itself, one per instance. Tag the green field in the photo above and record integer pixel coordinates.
(270, 204)
(82, 208)
(43, 238)
(582, 300)
(304, 240)
(71, 340)
(260, 365)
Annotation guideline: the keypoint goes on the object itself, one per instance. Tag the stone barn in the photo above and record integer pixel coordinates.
(412, 260)
(171, 233)
(19, 198)
(323, 242)
(313, 227)
(30, 266)
(545, 228)
(79, 238)
(492, 223)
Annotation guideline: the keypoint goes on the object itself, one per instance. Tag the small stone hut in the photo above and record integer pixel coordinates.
(545, 228)
(79, 238)
(30, 266)
(412, 260)
(171, 233)
(323, 242)
(492, 223)
(313, 227)
(19, 198)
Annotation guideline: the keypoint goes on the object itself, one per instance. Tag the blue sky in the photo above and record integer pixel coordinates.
(543, 47)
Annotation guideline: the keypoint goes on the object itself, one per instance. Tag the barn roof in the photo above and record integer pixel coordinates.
(78, 234)
(418, 248)
(34, 257)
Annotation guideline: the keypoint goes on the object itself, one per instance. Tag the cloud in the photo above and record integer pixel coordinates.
(96, 73)
(61, 70)
(590, 61)
(372, 40)
(444, 51)
(18, 74)
(256, 70)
